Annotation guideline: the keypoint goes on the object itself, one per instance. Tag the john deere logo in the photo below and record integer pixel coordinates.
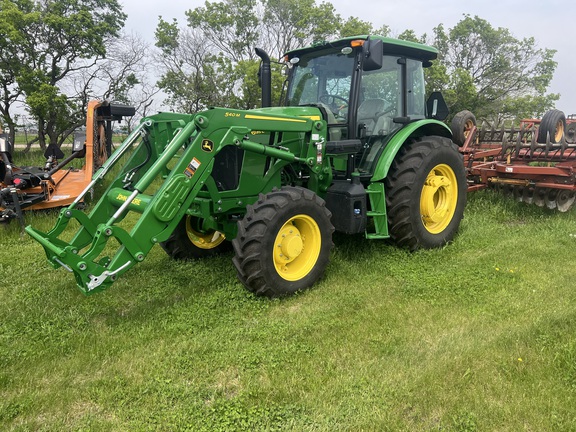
(207, 146)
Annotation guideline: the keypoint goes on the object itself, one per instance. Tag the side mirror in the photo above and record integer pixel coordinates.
(436, 107)
(373, 54)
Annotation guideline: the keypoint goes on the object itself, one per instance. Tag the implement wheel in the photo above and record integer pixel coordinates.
(190, 241)
(571, 132)
(426, 193)
(553, 123)
(283, 243)
(565, 200)
(461, 125)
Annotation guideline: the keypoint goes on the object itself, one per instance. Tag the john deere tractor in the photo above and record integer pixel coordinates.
(352, 147)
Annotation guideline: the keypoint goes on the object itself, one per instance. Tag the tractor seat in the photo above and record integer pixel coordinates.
(335, 133)
(370, 115)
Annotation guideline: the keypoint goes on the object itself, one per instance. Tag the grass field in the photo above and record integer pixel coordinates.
(477, 336)
(23, 139)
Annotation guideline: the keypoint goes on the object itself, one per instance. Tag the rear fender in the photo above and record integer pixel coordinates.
(413, 130)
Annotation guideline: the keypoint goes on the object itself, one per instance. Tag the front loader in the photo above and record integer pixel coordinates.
(353, 147)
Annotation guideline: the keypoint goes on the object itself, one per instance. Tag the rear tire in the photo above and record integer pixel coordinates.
(554, 124)
(189, 241)
(426, 193)
(283, 243)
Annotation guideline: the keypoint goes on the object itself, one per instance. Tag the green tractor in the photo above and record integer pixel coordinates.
(353, 147)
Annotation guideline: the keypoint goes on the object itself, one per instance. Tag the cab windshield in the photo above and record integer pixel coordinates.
(324, 79)
(393, 91)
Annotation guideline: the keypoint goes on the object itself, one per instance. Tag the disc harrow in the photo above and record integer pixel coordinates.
(534, 163)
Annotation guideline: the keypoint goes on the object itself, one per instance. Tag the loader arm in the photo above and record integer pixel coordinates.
(161, 181)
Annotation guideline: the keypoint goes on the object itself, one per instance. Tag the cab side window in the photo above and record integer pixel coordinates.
(380, 99)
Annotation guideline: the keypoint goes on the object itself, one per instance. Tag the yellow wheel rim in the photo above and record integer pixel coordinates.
(468, 127)
(203, 240)
(297, 247)
(559, 131)
(439, 198)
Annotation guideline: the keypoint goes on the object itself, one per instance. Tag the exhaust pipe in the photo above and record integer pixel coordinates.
(264, 76)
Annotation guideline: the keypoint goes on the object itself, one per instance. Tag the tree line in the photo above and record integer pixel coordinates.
(56, 55)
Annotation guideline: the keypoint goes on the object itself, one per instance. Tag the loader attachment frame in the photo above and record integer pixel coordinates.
(161, 182)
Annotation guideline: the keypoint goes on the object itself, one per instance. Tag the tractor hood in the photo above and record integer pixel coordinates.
(309, 112)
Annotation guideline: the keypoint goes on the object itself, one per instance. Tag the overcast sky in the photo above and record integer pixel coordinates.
(551, 22)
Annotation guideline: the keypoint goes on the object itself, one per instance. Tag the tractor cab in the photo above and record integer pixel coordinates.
(366, 88)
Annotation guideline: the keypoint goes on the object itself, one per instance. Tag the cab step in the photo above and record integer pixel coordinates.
(377, 198)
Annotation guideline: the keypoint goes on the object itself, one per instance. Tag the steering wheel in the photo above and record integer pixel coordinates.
(387, 111)
(339, 111)
(329, 99)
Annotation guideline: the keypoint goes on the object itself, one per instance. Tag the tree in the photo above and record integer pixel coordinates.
(229, 27)
(190, 68)
(213, 62)
(410, 35)
(204, 63)
(126, 75)
(354, 26)
(55, 40)
(488, 71)
(289, 24)
(14, 19)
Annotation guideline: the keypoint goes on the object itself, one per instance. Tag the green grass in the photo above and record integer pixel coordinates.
(23, 139)
(34, 157)
(477, 336)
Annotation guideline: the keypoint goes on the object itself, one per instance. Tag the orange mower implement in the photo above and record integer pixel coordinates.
(56, 184)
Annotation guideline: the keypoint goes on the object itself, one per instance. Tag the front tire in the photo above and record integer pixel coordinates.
(426, 193)
(190, 241)
(283, 243)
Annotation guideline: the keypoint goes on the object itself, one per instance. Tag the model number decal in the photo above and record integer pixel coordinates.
(231, 114)
(135, 201)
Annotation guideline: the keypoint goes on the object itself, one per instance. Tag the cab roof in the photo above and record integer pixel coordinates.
(391, 46)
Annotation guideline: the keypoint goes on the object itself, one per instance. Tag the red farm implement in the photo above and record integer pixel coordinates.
(535, 163)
